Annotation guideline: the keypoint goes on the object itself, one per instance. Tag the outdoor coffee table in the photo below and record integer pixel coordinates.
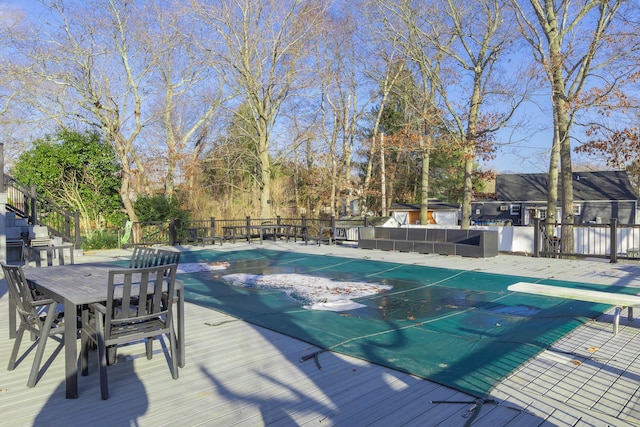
(76, 286)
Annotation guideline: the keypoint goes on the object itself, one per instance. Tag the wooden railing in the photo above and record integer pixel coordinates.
(25, 202)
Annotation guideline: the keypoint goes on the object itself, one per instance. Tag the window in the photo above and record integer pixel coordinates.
(577, 209)
(514, 210)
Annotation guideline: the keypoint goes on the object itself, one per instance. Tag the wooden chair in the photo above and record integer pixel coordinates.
(142, 257)
(164, 257)
(207, 237)
(36, 246)
(123, 320)
(37, 315)
(20, 244)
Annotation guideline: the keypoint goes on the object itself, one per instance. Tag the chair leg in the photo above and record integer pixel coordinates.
(102, 359)
(174, 354)
(149, 347)
(44, 335)
(84, 344)
(16, 347)
(112, 353)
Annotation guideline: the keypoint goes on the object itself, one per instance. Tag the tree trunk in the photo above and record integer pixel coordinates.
(566, 239)
(265, 176)
(383, 179)
(467, 190)
(424, 181)
(552, 199)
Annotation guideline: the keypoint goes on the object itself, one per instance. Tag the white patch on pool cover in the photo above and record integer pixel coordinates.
(319, 293)
(194, 267)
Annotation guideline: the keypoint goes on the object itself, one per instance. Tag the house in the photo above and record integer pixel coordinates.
(438, 212)
(518, 198)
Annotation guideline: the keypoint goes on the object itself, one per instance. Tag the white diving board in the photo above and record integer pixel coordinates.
(620, 301)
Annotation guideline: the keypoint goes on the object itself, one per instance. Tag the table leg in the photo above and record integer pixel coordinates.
(70, 350)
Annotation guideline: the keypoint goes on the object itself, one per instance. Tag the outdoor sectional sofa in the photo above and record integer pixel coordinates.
(469, 243)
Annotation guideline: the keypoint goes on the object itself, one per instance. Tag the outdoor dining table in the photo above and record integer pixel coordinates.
(76, 286)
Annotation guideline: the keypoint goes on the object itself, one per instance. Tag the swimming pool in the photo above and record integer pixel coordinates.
(459, 328)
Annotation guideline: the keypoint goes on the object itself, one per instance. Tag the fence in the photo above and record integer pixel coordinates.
(590, 240)
(612, 241)
(176, 232)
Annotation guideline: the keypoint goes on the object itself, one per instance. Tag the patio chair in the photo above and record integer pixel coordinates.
(142, 257)
(208, 237)
(122, 320)
(164, 257)
(36, 246)
(37, 315)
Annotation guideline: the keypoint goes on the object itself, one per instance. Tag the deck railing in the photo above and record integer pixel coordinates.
(178, 232)
(25, 202)
(611, 241)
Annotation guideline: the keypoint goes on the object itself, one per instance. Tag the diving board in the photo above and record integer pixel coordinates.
(620, 301)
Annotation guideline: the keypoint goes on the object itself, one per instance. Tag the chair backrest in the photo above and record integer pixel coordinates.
(164, 257)
(19, 290)
(135, 297)
(142, 257)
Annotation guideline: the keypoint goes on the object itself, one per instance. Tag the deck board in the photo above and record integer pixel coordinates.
(241, 374)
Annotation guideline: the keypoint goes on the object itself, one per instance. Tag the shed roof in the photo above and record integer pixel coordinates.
(587, 186)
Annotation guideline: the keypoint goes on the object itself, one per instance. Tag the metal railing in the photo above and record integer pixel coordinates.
(611, 241)
(25, 202)
(177, 232)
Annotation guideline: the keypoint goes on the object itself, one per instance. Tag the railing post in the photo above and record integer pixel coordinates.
(278, 220)
(305, 231)
(248, 228)
(613, 241)
(536, 237)
(172, 232)
(212, 226)
(76, 221)
(32, 204)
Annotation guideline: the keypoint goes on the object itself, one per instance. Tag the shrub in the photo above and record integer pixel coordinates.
(101, 240)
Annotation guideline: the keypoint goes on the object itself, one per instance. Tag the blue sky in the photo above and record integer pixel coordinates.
(523, 149)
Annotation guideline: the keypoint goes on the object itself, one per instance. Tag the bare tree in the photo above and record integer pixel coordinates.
(89, 69)
(189, 92)
(263, 46)
(457, 46)
(404, 28)
(339, 65)
(572, 40)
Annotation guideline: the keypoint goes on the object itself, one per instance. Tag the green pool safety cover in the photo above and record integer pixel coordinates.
(462, 329)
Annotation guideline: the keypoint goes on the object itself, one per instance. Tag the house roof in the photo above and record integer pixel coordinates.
(434, 205)
(587, 186)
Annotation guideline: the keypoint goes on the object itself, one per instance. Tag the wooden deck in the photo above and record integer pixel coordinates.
(240, 374)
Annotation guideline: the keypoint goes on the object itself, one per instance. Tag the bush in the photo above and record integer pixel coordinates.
(101, 240)
(159, 209)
